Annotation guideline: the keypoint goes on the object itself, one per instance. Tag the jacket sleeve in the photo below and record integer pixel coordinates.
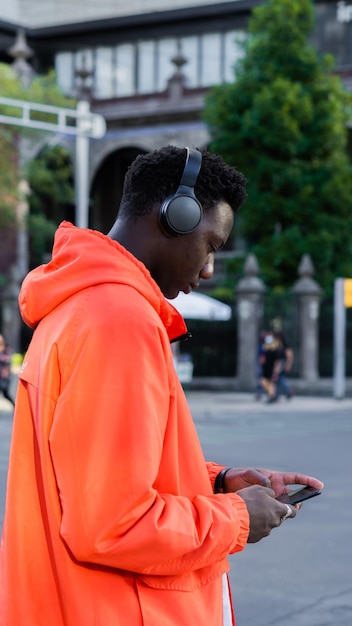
(106, 445)
(213, 471)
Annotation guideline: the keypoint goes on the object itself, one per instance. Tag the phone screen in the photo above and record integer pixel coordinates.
(299, 495)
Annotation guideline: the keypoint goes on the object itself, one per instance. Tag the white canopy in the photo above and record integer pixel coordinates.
(198, 306)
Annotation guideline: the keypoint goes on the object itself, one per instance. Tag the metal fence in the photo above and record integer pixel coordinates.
(213, 345)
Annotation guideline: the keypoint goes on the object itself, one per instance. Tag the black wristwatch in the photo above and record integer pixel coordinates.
(219, 486)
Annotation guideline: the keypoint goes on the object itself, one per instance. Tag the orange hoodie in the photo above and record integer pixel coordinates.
(110, 515)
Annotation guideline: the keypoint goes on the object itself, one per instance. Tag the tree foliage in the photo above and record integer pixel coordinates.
(283, 123)
(43, 89)
(51, 198)
(8, 182)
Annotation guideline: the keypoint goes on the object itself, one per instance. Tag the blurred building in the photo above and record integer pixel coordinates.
(146, 65)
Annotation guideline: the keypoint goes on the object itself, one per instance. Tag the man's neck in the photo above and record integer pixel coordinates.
(132, 235)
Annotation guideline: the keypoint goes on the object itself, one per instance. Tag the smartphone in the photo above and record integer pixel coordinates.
(304, 493)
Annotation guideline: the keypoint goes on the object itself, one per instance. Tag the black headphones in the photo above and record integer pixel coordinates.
(181, 212)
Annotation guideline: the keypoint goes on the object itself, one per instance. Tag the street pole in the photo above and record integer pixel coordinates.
(339, 340)
(22, 235)
(82, 165)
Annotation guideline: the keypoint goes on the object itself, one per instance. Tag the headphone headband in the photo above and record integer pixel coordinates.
(192, 168)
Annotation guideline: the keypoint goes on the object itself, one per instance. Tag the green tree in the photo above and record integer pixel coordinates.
(8, 182)
(51, 199)
(283, 123)
(59, 191)
(43, 89)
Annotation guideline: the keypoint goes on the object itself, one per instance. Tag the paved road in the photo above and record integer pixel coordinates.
(302, 574)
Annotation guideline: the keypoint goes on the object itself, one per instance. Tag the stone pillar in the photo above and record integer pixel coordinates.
(307, 293)
(250, 296)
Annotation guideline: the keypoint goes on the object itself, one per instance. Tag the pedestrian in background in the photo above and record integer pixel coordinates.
(5, 369)
(112, 515)
(286, 362)
(271, 361)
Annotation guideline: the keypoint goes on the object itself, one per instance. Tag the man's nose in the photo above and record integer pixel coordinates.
(207, 270)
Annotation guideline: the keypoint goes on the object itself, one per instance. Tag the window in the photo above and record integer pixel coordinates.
(210, 59)
(103, 78)
(125, 70)
(64, 71)
(167, 50)
(146, 67)
(190, 51)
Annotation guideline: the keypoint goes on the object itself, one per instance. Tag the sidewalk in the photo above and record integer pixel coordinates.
(319, 387)
(232, 402)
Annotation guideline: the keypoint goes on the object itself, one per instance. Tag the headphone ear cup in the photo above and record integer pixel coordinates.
(180, 214)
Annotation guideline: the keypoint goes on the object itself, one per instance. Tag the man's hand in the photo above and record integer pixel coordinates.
(265, 513)
(280, 480)
(259, 488)
(239, 478)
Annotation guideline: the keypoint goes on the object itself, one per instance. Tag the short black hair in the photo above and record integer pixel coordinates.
(154, 176)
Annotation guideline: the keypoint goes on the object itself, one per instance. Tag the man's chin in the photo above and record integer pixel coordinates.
(171, 295)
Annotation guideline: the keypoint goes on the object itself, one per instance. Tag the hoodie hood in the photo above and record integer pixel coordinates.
(82, 258)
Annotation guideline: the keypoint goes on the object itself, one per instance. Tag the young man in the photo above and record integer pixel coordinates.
(111, 515)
